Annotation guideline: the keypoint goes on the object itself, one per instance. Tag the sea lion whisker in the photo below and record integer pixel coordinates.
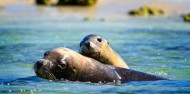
(43, 74)
(50, 74)
(53, 76)
(46, 73)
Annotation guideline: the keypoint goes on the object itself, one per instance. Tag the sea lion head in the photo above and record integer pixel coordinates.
(55, 65)
(93, 45)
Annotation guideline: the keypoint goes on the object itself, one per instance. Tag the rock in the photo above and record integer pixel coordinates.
(146, 11)
(186, 17)
(66, 2)
(89, 19)
(44, 2)
(77, 2)
(86, 2)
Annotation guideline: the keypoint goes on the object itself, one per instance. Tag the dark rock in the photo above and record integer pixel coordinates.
(66, 2)
(146, 11)
(86, 2)
(44, 2)
(77, 2)
(186, 17)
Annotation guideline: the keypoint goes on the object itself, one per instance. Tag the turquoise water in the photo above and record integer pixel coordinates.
(156, 45)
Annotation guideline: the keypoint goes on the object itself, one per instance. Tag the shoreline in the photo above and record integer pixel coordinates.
(103, 9)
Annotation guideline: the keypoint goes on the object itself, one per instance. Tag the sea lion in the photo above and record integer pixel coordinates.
(98, 48)
(63, 63)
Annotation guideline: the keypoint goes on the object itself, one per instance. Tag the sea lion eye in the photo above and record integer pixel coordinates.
(99, 39)
(46, 53)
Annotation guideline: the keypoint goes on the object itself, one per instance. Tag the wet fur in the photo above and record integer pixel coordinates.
(101, 51)
(76, 67)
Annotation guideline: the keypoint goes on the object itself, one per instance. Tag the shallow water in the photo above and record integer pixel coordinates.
(156, 45)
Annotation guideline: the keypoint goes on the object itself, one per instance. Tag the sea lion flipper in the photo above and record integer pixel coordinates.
(132, 75)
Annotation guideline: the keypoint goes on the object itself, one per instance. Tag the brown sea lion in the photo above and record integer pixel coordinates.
(63, 63)
(98, 48)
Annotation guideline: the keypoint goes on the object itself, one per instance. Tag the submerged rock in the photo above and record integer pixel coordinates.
(146, 11)
(186, 17)
(66, 2)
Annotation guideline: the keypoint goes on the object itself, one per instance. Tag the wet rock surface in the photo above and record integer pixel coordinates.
(66, 2)
(186, 17)
(146, 11)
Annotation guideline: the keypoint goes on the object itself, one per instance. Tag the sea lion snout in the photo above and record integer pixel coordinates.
(88, 47)
(42, 62)
(87, 44)
(45, 68)
(38, 65)
(55, 64)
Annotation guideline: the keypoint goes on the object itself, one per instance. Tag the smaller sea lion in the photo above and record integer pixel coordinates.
(98, 48)
(63, 63)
